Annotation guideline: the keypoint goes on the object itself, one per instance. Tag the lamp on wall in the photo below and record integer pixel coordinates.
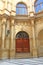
(7, 32)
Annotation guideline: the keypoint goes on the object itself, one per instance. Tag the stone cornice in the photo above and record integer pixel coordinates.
(26, 17)
(39, 14)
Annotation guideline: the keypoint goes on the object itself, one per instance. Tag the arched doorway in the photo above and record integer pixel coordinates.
(22, 42)
(40, 43)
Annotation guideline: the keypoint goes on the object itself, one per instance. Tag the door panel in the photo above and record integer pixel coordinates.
(26, 45)
(18, 45)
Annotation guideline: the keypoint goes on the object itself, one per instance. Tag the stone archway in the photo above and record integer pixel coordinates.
(22, 42)
(40, 43)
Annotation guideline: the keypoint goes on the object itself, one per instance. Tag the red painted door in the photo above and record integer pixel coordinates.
(22, 45)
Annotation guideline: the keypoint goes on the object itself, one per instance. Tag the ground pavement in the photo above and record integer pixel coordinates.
(30, 61)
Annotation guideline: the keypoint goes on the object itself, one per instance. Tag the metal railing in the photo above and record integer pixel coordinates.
(39, 7)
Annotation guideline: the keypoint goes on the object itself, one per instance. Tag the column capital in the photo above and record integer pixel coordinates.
(32, 22)
(12, 22)
(3, 20)
(31, 13)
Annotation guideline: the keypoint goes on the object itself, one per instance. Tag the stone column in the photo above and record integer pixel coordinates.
(0, 33)
(7, 34)
(5, 4)
(34, 41)
(12, 47)
(3, 32)
(0, 39)
(13, 8)
(31, 8)
(3, 38)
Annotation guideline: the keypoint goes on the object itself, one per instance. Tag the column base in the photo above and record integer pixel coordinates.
(0, 54)
(5, 54)
(35, 55)
(12, 54)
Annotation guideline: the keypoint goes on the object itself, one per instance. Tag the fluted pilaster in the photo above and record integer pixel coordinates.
(12, 46)
(3, 31)
(34, 41)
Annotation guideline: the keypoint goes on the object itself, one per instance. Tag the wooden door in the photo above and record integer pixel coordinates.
(22, 45)
(22, 42)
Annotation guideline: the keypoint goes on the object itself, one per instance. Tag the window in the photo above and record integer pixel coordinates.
(39, 5)
(21, 9)
(22, 42)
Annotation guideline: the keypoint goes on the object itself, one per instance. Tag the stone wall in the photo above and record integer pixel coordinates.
(11, 24)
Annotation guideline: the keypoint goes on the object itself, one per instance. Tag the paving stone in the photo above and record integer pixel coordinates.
(32, 61)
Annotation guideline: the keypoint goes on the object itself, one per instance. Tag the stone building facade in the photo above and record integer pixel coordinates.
(12, 23)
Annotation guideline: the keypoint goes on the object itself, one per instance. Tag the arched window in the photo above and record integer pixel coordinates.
(21, 9)
(39, 5)
(22, 42)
